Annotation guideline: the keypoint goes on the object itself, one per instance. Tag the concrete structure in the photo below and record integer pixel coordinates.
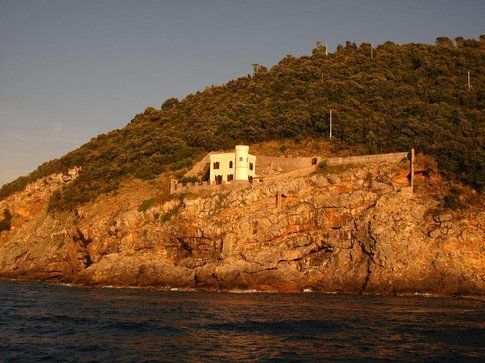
(229, 166)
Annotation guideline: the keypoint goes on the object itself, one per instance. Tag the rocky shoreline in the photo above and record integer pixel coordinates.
(357, 231)
(479, 297)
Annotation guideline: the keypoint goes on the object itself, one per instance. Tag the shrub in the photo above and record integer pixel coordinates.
(452, 200)
(5, 223)
(189, 179)
(171, 213)
(369, 179)
(322, 167)
(146, 204)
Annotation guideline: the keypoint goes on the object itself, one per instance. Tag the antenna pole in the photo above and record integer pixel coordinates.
(326, 49)
(330, 123)
(371, 51)
(469, 81)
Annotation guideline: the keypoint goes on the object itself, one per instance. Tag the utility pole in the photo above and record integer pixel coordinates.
(326, 49)
(469, 81)
(371, 51)
(330, 123)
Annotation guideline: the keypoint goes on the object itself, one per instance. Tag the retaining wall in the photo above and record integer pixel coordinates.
(363, 159)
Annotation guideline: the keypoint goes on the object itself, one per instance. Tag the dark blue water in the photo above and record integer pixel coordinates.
(42, 322)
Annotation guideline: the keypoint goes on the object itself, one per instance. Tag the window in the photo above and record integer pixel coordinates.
(241, 158)
(216, 165)
(230, 177)
(314, 161)
(230, 164)
(251, 166)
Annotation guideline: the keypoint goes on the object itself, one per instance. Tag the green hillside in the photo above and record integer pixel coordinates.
(406, 95)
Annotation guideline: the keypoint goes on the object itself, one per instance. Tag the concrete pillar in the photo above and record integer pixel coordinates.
(173, 185)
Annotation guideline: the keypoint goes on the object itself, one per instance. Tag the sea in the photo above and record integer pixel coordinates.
(55, 323)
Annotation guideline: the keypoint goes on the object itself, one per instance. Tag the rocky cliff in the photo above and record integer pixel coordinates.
(356, 230)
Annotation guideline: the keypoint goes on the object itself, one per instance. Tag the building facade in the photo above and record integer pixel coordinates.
(237, 165)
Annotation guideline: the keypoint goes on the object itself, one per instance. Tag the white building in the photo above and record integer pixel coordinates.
(238, 165)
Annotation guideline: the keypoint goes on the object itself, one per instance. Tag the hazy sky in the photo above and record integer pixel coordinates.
(70, 70)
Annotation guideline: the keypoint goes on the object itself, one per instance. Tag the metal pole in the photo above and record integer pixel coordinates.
(371, 51)
(330, 123)
(411, 168)
(326, 49)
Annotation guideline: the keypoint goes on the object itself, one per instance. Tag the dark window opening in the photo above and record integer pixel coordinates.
(251, 166)
(314, 161)
(250, 179)
(218, 179)
(230, 164)
(230, 177)
(216, 165)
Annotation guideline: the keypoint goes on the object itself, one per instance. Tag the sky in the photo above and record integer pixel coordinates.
(71, 69)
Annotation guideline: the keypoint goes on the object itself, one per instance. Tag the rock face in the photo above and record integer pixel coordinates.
(355, 231)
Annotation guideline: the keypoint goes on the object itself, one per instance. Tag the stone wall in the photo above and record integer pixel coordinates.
(363, 159)
(284, 164)
(196, 187)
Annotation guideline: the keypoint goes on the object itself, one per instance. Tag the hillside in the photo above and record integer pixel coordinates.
(406, 95)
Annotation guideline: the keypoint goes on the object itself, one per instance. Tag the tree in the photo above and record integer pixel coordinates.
(444, 42)
(459, 41)
(255, 68)
(171, 102)
(320, 49)
(371, 142)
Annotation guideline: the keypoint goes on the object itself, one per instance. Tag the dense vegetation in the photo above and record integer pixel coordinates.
(406, 95)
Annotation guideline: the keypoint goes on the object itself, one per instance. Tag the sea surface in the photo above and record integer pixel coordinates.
(44, 322)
